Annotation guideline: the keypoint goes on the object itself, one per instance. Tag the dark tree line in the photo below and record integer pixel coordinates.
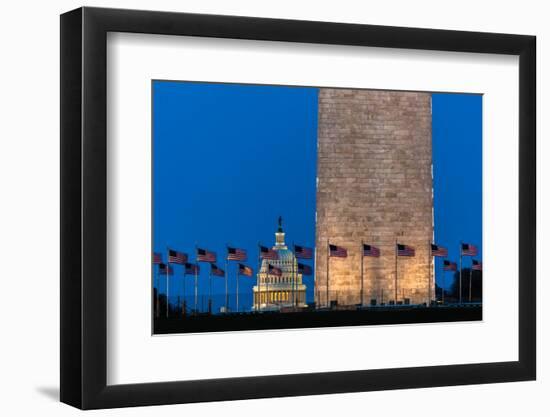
(452, 294)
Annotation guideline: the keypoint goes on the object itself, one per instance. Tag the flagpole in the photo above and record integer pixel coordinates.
(226, 288)
(259, 281)
(237, 279)
(328, 266)
(470, 291)
(362, 254)
(460, 278)
(158, 294)
(293, 276)
(395, 301)
(443, 288)
(429, 273)
(196, 286)
(183, 307)
(210, 290)
(167, 281)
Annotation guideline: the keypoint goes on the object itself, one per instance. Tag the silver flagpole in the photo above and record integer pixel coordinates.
(328, 265)
(167, 289)
(395, 300)
(158, 294)
(443, 288)
(210, 290)
(294, 276)
(362, 254)
(237, 279)
(460, 277)
(430, 257)
(196, 286)
(470, 290)
(183, 295)
(226, 289)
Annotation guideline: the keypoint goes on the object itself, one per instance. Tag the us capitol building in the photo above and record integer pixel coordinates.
(273, 292)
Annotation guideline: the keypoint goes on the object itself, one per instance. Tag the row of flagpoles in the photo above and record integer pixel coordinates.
(403, 250)
(300, 252)
(175, 257)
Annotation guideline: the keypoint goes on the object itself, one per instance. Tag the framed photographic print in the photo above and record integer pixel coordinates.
(355, 202)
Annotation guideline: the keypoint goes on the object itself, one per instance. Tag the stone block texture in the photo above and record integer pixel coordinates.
(374, 185)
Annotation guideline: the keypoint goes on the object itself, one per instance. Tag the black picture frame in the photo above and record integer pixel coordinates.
(84, 207)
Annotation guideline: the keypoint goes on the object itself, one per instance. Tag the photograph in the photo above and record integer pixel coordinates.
(280, 206)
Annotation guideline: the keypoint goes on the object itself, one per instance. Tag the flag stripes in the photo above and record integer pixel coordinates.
(268, 253)
(404, 250)
(204, 255)
(439, 250)
(302, 252)
(476, 265)
(236, 254)
(175, 257)
(337, 251)
(369, 250)
(273, 270)
(304, 269)
(468, 250)
(216, 271)
(157, 258)
(245, 270)
(166, 269)
(191, 269)
(449, 266)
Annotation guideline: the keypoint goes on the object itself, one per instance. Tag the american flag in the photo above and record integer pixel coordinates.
(192, 269)
(267, 253)
(404, 250)
(369, 250)
(439, 250)
(157, 258)
(337, 251)
(214, 270)
(175, 257)
(166, 269)
(236, 254)
(449, 266)
(303, 252)
(245, 270)
(273, 270)
(476, 265)
(204, 255)
(304, 269)
(468, 250)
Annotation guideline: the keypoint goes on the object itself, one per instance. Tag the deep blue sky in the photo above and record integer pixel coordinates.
(457, 166)
(229, 159)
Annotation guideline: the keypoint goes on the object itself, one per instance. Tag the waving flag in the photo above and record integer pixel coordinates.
(236, 254)
(166, 269)
(214, 270)
(245, 270)
(449, 266)
(175, 257)
(192, 269)
(273, 270)
(369, 250)
(468, 250)
(267, 253)
(304, 269)
(404, 250)
(157, 258)
(476, 265)
(337, 251)
(439, 250)
(204, 255)
(302, 252)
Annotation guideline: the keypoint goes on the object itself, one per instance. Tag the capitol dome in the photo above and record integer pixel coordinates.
(282, 286)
